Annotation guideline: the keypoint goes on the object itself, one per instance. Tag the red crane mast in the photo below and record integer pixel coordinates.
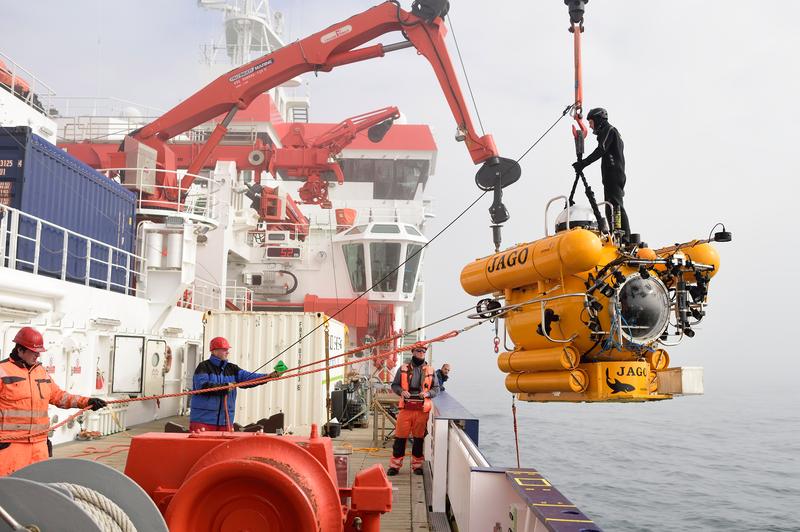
(332, 47)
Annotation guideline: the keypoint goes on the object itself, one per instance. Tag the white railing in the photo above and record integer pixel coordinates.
(479, 496)
(103, 265)
(98, 128)
(197, 202)
(24, 85)
(240, 296)
(413, 213)
(111, 119)
(88, 106)
(202, 295)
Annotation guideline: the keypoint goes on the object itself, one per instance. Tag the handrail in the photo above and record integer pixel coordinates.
(10, 219)
(197, 202)
(472, 450)
(241, 296)
(109, 127)
(202, 295)
(39, 96)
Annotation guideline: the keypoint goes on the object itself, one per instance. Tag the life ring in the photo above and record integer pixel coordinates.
(167, 361)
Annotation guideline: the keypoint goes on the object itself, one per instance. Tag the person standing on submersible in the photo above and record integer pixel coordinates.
(611, 149)
(26, 390)
(416, 385)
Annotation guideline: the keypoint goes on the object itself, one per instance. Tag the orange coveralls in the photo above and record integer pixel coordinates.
(24, 396)
(412, 420)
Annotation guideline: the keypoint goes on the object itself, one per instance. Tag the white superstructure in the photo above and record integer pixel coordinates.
(146, 335)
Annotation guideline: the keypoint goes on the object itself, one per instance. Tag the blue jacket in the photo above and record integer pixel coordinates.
(208, 407)
(442, 379)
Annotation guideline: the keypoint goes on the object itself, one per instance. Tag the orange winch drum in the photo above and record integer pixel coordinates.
(554, 358)
(566, 253)
(548, 381)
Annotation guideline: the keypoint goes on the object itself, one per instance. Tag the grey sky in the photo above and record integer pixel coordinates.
(702, 92)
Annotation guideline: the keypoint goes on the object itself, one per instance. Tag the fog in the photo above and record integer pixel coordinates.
(702, 93)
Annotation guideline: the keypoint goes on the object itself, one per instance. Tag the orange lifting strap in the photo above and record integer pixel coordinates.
(576, 9)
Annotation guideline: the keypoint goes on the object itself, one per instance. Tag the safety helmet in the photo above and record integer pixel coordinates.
(218, 343)
(422, 348)
(597, 113)
(30, 338)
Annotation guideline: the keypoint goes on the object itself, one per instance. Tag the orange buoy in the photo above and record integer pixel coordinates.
(565, 253)
(547, 381)
(554, 358)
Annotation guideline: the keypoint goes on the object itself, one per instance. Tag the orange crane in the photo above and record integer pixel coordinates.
(338, 45)
(300, 155)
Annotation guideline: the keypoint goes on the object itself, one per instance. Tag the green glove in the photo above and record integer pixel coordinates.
(280, 367)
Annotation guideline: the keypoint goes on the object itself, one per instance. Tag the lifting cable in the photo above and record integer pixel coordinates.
(466, 77)
(426, 244)
(579, 130)
(516, 431)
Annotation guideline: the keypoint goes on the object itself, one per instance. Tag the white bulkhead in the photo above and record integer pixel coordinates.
(257, 337)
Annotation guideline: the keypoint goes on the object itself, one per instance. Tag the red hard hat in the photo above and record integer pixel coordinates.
(219, 343)
(30, 338)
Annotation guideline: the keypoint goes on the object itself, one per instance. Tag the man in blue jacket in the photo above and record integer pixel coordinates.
(208, 409)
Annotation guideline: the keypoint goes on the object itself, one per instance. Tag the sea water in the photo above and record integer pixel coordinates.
(722, 461)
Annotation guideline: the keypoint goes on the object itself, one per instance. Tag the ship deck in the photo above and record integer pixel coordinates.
(409, 510)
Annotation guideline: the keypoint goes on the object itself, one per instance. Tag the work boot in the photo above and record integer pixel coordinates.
(392, 471)
(418, 471)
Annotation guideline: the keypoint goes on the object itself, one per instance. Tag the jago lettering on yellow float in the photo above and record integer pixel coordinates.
(508, 260)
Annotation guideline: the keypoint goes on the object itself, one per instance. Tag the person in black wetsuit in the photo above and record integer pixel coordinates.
(611, 149)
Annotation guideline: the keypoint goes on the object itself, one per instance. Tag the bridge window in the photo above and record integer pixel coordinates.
(385, 228)
(356, 266)
(384, 261)
(393, 179)
(411, 266)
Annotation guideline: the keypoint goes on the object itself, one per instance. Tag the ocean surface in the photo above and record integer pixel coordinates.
(715, 462)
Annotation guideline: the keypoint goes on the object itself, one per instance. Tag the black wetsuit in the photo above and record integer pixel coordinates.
(611, 148)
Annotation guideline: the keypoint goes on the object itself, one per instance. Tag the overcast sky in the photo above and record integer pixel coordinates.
(703, 94)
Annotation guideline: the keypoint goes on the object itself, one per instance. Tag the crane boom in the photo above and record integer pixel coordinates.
(323, 51)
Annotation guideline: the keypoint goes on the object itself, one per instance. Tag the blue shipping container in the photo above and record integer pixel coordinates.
(42, 180)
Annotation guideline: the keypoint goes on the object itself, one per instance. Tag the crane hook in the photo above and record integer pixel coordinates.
(576, 10)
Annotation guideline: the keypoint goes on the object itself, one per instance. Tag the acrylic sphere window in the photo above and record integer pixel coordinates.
(644, 308)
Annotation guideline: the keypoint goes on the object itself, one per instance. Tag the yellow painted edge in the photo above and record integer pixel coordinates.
(555, 505)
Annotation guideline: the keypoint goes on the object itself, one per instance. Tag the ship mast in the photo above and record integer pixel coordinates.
(251, 30)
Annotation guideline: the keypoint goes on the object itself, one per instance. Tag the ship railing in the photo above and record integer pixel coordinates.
(414, 214)
(466, 488)
(97, 128)
(107, 120)
(197, 203)
(201, 295)
(25, 86)
(29, 243)
(240, 296)
(94, 106)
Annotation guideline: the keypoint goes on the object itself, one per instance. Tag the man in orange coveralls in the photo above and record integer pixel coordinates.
(416, 384)
(25, 391)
